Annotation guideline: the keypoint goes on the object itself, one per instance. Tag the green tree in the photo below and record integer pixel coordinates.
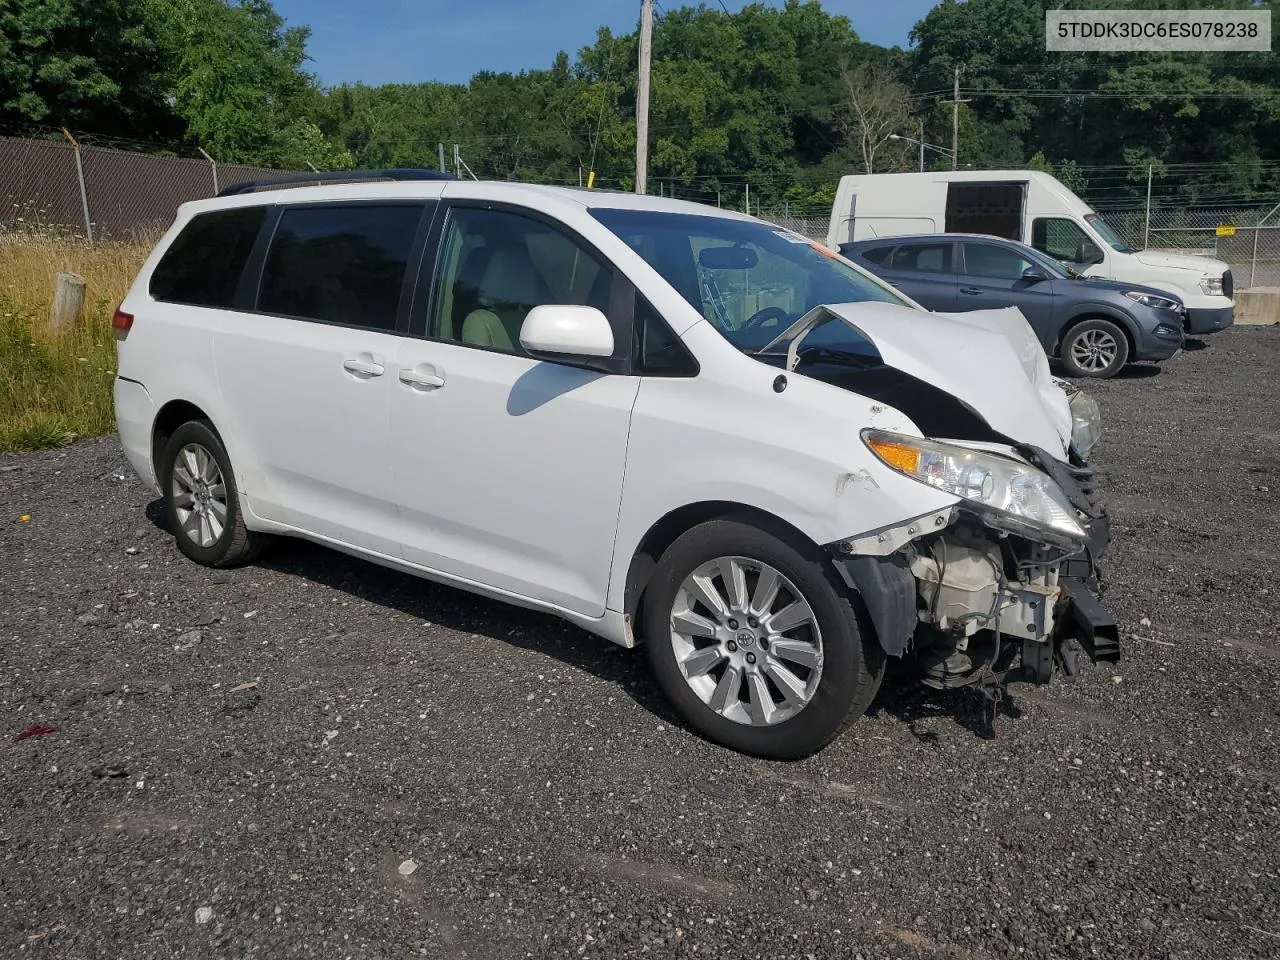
(235, 76)
(87, 64)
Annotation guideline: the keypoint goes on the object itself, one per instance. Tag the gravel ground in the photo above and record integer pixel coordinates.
(555, 808)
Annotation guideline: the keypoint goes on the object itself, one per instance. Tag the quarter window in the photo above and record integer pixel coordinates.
(496, 266)
(997, 263)
(202, 267)
(1058, 237)
(658, 351)
(877, 254)
(340, 264)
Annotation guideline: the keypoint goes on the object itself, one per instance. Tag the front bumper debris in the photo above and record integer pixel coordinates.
(978, 605)
(1090, 623)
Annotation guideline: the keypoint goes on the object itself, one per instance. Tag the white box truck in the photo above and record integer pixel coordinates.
(1035, 208)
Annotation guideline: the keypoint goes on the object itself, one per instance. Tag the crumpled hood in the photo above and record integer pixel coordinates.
(988, 359)
(1179, 261)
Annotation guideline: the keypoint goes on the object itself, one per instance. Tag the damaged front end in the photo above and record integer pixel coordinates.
(994, 586)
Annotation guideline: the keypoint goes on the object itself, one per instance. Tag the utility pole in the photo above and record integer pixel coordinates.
(642, 96)
(1146, 231)
(955, 119)
(443, 168)
(922, 144)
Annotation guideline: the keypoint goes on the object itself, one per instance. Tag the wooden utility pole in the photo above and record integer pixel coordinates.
(955, 120)
(642, 96)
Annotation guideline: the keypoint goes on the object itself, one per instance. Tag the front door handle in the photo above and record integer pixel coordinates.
(972, 291)
(422, 379)
(363, 367)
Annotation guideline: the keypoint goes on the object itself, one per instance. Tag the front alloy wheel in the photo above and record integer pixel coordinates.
(755, 639)
(746, 641)
(1095, 348)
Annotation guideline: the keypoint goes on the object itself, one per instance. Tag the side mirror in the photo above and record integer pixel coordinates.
(1088, 253)
(1035, 274)
(562, 332)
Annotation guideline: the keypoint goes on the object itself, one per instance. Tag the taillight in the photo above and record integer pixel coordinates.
(122, 321)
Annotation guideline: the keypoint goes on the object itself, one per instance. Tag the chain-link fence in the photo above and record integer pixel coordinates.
(98, 192)
(1246, 237)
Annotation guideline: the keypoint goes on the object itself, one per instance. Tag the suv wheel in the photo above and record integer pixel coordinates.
(1095, 348)
(201, 500)
(755, 642)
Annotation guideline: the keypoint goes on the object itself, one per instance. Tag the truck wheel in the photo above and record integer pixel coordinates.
(1094, 348)
(201, 500)
(756, 643)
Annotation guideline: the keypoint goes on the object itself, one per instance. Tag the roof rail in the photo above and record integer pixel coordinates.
(334, 176)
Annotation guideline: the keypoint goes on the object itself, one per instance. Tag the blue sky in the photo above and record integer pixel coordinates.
(408, 41)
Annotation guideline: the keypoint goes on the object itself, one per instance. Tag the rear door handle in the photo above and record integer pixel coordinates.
(362, 367)
(972, 291)
(422, 379)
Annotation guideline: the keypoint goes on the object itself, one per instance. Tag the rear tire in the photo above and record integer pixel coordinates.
(201, 501)
(807, 663)
(1095, 348)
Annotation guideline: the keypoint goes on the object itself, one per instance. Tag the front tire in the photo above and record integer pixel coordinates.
(756, 643)
(201, 501)
(1095, 348)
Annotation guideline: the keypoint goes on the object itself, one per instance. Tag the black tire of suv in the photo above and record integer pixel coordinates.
(1079, 330)
(237, 545)
(853, 662)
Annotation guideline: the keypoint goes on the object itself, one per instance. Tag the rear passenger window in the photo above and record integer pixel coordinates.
(202, 266)
(340, 264)
(922, 257)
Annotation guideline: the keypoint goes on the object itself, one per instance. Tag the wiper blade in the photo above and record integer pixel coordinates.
(819, 354)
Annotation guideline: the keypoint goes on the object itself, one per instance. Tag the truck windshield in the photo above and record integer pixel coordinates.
(750, 280)
(1106, 233)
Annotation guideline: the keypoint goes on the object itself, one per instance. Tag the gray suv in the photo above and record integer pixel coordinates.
(1094, 326)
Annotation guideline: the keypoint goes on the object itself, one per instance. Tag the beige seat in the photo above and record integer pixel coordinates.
(509, 288)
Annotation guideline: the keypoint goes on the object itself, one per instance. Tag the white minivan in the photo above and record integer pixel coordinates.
(1037, 209)
(668, 424)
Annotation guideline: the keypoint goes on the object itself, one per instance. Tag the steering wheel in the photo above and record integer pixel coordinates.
(758, 318)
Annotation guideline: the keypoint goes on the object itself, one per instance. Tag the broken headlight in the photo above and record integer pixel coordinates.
(1007, 494)
(1086, 424)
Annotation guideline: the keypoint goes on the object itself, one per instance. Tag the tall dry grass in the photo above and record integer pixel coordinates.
(55, 387)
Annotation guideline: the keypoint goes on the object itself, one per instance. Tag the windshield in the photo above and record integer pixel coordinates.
(749, 280)
(1106, 233)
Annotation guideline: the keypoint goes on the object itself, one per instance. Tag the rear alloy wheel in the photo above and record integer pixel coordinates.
(755, 642)
(1095, 348)
(201, 499)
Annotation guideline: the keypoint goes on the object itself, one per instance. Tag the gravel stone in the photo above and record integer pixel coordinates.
(392, 715)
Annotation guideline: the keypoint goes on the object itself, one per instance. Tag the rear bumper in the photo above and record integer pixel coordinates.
(135, 416)
(1202, 321)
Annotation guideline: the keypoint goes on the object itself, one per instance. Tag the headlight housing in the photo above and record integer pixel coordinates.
(1007, 494)
(1211, 286)
(1086, 423)
(1153, 301)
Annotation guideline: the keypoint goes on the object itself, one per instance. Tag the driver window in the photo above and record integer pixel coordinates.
(1059, 237)
(496, 266)
(997, 263)
(743, 285)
